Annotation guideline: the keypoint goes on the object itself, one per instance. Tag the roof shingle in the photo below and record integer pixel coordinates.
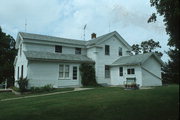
(134, 59)
(47, 56)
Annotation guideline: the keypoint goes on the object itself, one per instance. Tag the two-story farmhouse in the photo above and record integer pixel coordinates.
(53, 60)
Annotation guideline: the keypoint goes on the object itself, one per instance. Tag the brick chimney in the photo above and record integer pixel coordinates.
(93, 35)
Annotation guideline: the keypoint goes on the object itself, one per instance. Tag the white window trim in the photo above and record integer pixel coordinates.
(131, 71)
(64, 68)
(77, 72)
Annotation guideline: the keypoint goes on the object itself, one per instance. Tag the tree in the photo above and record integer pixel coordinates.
(7, 55)
(88, 74)
(149, 46)
(170, 10)
(146, 46)
(136, 49)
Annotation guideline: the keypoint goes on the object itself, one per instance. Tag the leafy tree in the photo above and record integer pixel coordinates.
(146, 46)
(170, 10)
(149, 46)
(7, 55)
(136, 48)
(88, 74)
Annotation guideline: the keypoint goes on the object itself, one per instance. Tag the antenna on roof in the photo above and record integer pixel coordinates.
(84, 30)
(25, 26)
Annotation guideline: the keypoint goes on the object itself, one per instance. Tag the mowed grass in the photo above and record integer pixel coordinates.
(7, 95)
(109, 103)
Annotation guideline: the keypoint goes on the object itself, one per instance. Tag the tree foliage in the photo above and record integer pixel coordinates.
(170, 10)
(7, 55)
(146, 46)
(88, 74)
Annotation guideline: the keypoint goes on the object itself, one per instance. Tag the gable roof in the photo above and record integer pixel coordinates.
(100, 39)
(50, 38)
(91, 42)
(47, 56)
(136, 59)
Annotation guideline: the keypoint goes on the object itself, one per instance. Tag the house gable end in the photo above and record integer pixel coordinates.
(155, 57)
(118, 37)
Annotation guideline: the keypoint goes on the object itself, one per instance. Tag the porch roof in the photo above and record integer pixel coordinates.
(135, 59)
(47, 56)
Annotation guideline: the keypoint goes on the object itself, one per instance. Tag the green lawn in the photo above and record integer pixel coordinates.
(161, 103)
(5, 95)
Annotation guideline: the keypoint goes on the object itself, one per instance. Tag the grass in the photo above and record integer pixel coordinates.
(161, 103)
(5, 95)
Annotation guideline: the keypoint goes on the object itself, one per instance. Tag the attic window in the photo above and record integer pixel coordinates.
(58, 49)
(107, 49)
(120, 51)
(78, 51)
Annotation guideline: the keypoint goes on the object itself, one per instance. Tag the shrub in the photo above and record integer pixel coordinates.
(45, 88)
(15, 89)
(88, 74)
(48, 87)
(23, 83)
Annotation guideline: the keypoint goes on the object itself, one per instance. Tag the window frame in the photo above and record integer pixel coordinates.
(18, 73)
(107, 50)
(120, 52)
(58, 49)
(64, 72)
(20, 50)
(78, 51)
(121, 71)
(107, 69)
(75, 73)
(22, 71)
(131, 71)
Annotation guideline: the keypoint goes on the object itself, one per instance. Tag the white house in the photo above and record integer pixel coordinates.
(53, 60)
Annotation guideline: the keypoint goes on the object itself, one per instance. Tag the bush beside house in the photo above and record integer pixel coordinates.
(88, 76)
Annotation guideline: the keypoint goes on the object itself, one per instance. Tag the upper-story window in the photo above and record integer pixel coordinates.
(120, 51)
(107, 50)
(58, 48)
(130, 71)
(77, 50)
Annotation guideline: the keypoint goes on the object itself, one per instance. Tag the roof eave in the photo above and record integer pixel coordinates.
(58, 60)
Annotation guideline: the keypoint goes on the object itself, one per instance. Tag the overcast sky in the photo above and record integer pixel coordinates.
(66, 18)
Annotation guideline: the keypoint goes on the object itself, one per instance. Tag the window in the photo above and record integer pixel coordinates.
(74, 72)
(77, 50)
(18, 73)
(120, 71)
(58, 48)
(66, 71)
(107, 71)
(120, 51)
(131, 71)
(20, 50)
(63, 71)
(22, 71)
(107, 50)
